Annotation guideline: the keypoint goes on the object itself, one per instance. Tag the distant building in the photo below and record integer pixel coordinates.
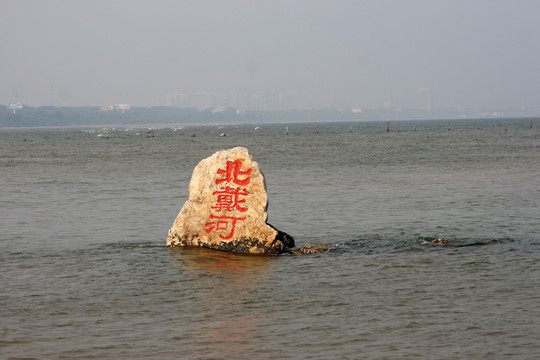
(202, 101)
(15, 107)
(122, 107)
(242, 100)
(116, 107)
(429, 98)
(107, 108)
(199, 101)
(287, 101)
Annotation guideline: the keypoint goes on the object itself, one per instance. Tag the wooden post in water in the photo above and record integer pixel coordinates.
(387, 125)
(531, 124)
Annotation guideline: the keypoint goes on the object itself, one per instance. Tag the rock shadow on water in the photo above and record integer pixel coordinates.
(221, 264)
(227, 285)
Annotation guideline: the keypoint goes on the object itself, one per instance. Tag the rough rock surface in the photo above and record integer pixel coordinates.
(227, 207)
(310, 249)
(440, 241)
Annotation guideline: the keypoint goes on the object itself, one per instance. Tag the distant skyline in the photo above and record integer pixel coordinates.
(351, 54)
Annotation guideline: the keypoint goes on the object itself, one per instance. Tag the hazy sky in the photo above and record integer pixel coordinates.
(472, 53)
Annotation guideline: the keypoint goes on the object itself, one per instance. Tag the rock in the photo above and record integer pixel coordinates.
(440, 241)
(226, 209)
(310, 249)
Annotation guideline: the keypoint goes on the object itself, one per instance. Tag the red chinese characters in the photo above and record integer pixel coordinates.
(223, 223)
(232, 173)
(229, 199)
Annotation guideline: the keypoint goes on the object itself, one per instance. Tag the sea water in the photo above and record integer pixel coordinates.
(85, 274)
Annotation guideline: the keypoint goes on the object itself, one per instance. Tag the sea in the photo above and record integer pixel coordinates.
(85, 273)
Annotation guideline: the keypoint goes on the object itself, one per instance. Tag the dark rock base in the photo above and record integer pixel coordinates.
(282, 243)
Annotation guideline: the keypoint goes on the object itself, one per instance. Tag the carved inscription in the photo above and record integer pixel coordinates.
(229, 199)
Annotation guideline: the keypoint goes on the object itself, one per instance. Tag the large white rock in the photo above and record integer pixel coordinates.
(227, 207)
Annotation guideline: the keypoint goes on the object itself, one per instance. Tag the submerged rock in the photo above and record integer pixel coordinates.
(227, 208)
(310, 249)
(439, 241)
